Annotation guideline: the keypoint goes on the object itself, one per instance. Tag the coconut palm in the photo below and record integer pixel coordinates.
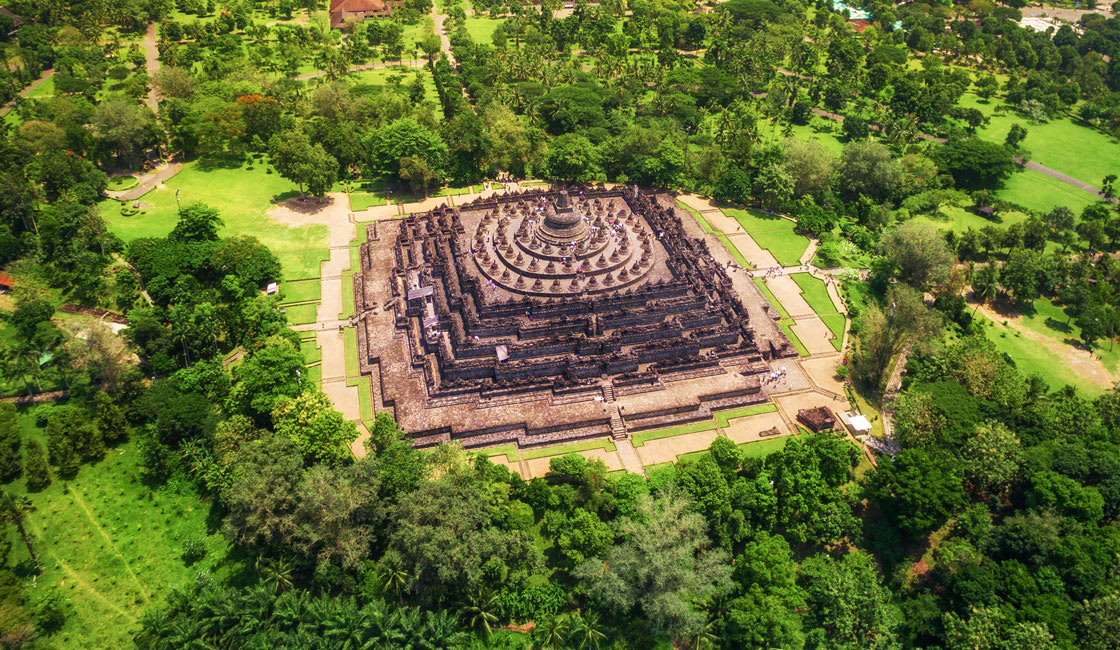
(585, 631)
(551, 633)
(985, 285)
(14, 510)
(479, 612)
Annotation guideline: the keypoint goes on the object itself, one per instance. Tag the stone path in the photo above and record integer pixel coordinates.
(148, 182)
(47, 74)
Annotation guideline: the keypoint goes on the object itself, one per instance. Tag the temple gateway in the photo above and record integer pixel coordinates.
(553, 315)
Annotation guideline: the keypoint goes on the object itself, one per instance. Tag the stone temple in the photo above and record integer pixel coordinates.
(555, 315)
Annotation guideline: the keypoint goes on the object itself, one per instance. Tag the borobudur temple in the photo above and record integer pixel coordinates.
(552, 315)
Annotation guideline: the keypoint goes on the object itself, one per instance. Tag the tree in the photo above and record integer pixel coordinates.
(416, 172)
(975, 163)
(197, 223)
(663, 566)
(1096, 321)
(1022, 275)
(125, 128)
(266, 376)
(916, 491)
(1098, 623)
(9, 442)
(810, 165)
(985, 284)
(479, 610)
(572, 157)
(868, 168)
(986, 86)
(35, 466)
(14, 510)
(919, 252)
(1015, 136)
(445, 534)
(733, 185)
(390, 144)
(310, 421)
(847, 603)
(989, 629)
(303, 163)
(991, 459)
(883, 333)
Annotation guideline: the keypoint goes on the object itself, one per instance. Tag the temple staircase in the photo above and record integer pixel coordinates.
(618, 427)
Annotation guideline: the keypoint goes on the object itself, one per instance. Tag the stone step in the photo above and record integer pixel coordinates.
(608, 392)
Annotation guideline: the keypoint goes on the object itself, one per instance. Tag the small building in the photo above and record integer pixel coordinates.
(858, 425)
(818, 419)
(344, 10)
(7, 282)
(271, 289)
(986, 211)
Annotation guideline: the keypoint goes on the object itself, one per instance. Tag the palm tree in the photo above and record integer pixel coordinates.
(479, 611)
(14, 510)
(585, 631)
(396, 578)
(552, 632)
(985, 285)
(277, 574)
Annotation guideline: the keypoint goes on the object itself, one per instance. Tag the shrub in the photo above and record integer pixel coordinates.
(51, 612)
(193, 551)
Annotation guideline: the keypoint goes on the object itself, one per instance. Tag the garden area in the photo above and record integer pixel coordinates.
(772, 233)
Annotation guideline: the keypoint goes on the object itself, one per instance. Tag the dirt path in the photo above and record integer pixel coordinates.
(47, 74)
(151, 55)
(365, 66)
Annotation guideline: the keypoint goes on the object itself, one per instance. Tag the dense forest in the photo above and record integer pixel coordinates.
(994, 526)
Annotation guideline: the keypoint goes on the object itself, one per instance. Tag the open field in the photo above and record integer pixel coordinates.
(243, 196)
(481, 29)
(111, 545)
(1062, 144)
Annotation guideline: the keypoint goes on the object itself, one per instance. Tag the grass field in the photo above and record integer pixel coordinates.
(1037, 191)
(111, 545)
(481, 29)
(312, 353)
(123, 182)
(1079, 151)
(243, 196)
(785, 322)
(1033, 359)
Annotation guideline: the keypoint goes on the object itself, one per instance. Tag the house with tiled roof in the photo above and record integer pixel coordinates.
(344, 10)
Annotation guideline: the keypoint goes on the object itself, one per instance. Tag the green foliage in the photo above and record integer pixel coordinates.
(918, 492)
(9, 442)
(35, 467)
(310, 421)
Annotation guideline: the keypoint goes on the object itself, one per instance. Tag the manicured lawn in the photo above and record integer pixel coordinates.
(836, 324)
(960, 219)
(1050, 319)
(785, 323)
(545, 452)
(787, 329)
(301, 314)
(507, 450)
(707, 227)
(111, 545)
(772, 233)
(362, 200)
(312, 353)
(641, 438)
(121, 183)
(301, 291)
(815, 292)
(243, 196)
(347, 296)
(350, 344)
(723, 418)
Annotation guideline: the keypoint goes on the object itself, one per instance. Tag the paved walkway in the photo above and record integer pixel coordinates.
(148, 182)
(47, 74)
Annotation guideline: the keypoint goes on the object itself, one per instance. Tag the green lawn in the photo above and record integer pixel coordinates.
(1051, 320)
(960, 219)
(45, 90)
(123, 182)
(301, 314)
(243, 197)
(815, 292)
(347, 295)
(301, 290)
(111, 545)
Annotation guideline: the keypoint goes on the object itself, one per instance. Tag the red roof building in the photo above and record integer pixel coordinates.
(344, 10)
(6, 281)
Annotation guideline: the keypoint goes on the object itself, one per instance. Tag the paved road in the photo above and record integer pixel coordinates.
(47, 74)
(147, 186)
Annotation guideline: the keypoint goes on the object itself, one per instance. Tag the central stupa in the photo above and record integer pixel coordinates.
(563, 222)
